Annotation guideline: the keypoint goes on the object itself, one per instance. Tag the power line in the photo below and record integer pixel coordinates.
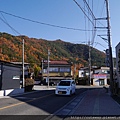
(100, 44)
(101, 15)
(89, 9)
(9, 26)
(34, 21)
(93, 32)
(83, 12)
(5, 21)
(85, 23)
(90, 12)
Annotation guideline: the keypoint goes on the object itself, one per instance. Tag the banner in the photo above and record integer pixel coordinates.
(100, 76)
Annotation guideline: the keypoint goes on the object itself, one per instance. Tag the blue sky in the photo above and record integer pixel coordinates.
(64, 13)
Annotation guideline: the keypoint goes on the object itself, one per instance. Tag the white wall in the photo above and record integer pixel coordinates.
(81, 73)
(96, 82)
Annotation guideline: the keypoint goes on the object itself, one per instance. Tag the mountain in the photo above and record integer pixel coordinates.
(36, 49)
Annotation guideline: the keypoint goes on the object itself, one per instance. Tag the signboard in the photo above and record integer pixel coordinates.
(16, 77)
(100, 76)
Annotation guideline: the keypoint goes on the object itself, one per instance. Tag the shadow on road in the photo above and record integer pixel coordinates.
(41, 103)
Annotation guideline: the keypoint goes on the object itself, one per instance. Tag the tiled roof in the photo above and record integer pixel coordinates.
(57, 62)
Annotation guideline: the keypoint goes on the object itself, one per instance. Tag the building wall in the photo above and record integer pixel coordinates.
(10, 77)
(118, 63)
(98, 82)
(57, 70)
(99, 79)
(81, 73)
(97, 71)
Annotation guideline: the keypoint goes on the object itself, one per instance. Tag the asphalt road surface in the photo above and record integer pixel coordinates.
(43, 102)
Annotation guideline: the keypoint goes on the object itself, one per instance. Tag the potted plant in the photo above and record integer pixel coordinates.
(29, 83)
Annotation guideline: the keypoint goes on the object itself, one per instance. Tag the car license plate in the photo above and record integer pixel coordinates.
(60, 92)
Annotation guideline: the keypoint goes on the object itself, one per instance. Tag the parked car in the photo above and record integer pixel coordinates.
(21, 82)
(42, 83)
(65, 87)
(51, 83)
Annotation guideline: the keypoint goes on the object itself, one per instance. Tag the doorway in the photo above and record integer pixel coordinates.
(101, 82)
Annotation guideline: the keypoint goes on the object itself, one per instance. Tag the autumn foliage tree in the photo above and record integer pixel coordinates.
(36, 50)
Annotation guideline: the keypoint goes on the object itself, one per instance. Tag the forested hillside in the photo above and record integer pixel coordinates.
(36, 49)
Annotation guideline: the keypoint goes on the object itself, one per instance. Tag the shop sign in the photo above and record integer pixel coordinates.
(100, 76)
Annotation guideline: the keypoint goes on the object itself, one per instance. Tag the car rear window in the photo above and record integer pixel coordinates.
(64, 83)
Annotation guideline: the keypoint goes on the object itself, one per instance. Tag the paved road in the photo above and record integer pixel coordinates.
(94, 104)
(42, 102)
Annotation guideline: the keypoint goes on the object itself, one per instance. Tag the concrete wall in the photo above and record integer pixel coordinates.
(10, 92)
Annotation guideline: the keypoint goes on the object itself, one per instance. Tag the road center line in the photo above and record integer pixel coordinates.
(2, 108)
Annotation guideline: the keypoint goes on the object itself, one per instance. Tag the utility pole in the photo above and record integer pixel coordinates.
(89, 63)
(48, 67)
(110, 48)
(1, 74)
(74, 71)
(23, 63)
(42, 69)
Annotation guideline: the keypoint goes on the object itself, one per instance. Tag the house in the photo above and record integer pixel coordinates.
(9, 76)
(100, 76)
(58, 70)
(83, 72)
(117, 78)
(83, 75)
(26, 69)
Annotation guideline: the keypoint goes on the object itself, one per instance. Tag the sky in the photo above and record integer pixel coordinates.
(61, 19)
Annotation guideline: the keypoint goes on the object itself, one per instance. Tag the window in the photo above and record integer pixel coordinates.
(44, 70)
(64, 83)
(53, 69)
(73, 82)
(64, 69)
(50, 70)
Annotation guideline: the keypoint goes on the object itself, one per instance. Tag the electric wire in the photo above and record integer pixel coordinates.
(93, 30)
(101, 14)
(34, 21)
(10, 26)
(90, 12)
(83, 11)
(5, 20)
(88, 7)
(85, 22)
(13, 29)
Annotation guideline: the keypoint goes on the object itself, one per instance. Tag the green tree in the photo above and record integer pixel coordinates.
(36, 70)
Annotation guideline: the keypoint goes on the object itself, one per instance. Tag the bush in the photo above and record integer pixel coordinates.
(29, 83)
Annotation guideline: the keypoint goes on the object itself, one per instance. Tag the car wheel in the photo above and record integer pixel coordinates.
(74, 93)
(56, 94)
(70, 93)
